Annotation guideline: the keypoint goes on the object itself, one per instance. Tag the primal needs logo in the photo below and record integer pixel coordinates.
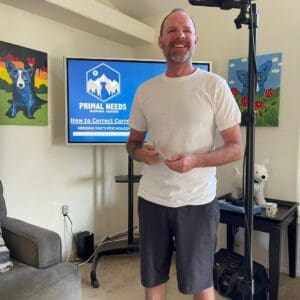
(103, 82)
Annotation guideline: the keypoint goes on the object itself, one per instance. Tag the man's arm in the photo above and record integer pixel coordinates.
(138, 150)
(231, 150)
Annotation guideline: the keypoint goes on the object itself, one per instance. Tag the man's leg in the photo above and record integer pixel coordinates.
(207, 294)
(156, 248)
(195, 241)
(156, 293)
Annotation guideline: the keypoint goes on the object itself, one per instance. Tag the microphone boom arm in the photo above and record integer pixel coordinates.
(223, 4)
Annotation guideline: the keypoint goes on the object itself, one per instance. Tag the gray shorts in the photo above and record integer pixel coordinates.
(189, 230)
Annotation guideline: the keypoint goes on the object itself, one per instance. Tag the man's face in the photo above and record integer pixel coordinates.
(178, 39)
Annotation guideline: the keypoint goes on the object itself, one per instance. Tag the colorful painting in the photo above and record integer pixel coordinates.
(267, 89)
(23, 86)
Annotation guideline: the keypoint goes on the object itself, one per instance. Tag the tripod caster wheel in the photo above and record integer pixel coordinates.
(95, 283)
(94, 280)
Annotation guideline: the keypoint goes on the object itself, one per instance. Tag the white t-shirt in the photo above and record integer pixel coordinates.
(182, 115)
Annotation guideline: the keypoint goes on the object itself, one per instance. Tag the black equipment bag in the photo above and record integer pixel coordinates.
(228, 274)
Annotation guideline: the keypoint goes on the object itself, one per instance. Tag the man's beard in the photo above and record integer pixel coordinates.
(179, 59)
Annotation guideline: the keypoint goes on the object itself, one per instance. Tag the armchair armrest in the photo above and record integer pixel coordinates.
(30, 244)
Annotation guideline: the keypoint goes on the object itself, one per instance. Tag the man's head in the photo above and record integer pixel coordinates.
(178, 37)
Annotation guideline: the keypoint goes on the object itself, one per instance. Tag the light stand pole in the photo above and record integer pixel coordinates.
(248, 16)
(246, 285)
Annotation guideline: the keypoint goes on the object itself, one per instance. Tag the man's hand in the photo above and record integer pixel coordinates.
(140, 151)
(181, 162)
(148, 154)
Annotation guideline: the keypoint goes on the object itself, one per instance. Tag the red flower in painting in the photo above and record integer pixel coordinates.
(259, 104)
(31, 61)
(244, 101)
(11, 57)
(235, 91)
(269, 93)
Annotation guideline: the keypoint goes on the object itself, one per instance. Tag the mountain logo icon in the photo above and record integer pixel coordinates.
(103, 82)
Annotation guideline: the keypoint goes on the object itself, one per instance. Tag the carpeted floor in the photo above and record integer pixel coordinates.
(119, 280)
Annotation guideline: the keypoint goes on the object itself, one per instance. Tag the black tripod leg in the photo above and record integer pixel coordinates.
(93, 274)
(94, 280)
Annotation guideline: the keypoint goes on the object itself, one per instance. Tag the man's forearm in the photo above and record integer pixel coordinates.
(231, 150)
(220, 156)
(185, 162)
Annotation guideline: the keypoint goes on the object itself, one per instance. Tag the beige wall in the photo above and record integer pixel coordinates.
(40, 173)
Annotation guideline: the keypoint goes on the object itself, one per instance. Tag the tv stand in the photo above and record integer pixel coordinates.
(129, 246)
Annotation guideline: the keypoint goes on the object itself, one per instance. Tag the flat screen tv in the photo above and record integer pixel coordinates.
(99, 96)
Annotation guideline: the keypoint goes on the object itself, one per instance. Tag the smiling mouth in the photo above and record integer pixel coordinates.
(179, 46)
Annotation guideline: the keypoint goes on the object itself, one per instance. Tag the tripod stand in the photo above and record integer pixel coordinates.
(248, 16)
(248, 119)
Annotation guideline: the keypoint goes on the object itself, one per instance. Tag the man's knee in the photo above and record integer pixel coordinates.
(156, 293)
(207, 294)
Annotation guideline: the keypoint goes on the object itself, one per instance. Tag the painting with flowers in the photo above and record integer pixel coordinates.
(267, 90)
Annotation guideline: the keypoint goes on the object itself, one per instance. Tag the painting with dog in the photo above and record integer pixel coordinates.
(23, 85)
(267, 88)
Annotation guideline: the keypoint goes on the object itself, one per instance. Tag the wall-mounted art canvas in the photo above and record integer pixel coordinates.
(267, 89)
(23, 86)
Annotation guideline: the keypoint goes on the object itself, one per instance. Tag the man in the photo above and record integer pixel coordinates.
(181, 111)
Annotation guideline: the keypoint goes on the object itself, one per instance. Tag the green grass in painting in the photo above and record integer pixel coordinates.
(267, 114)
(40, 116)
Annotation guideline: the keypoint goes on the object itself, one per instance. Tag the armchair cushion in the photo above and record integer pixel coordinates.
(38, 272)
(5, 262)
(31, 244)
(23, 282)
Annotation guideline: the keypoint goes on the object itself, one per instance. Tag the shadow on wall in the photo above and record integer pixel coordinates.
(110, 198)
(57, 99)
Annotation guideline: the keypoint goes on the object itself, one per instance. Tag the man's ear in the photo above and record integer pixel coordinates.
(159, 41)
(196, 40)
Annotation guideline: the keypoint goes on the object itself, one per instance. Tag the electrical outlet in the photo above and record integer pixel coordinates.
(65, 210)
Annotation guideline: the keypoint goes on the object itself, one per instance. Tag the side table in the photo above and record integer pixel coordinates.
(286, 217)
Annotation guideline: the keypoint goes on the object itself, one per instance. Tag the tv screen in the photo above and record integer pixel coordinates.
(99, 96)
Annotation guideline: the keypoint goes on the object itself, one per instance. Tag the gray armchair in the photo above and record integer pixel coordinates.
(38, 272)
